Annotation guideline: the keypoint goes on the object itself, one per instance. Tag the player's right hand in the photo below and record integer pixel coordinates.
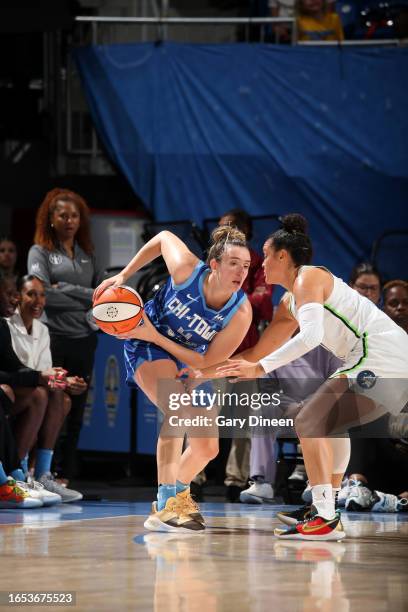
(114, 281)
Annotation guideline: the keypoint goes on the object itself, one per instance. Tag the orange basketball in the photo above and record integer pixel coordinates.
(118, 310)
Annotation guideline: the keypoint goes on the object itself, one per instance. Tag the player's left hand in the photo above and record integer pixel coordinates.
(240, 369)
(144, 331)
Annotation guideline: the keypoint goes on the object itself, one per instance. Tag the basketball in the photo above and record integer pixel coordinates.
(118, 310)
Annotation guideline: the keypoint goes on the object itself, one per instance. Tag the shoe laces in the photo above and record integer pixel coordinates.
(191, 503)
(34, 484)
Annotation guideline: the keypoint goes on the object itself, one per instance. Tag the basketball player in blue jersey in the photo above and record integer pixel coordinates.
(375, 368)
(198, 318)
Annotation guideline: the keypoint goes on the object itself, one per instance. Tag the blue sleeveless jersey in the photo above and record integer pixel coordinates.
(181, 313)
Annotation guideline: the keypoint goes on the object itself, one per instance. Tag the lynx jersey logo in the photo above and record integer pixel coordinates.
(366, 379)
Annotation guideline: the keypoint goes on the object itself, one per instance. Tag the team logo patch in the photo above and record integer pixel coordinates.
(366, 379)
(55, 258)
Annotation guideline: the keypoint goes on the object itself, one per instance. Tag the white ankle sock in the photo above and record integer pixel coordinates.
(322, 496)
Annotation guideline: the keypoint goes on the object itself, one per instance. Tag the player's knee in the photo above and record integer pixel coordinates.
(8, 391)
(302, 425)
(207, 449)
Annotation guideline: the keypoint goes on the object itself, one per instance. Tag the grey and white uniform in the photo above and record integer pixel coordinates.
(370, 344)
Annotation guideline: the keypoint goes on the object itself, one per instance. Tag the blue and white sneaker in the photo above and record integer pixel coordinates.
(346, 487)
(359, 499)
(386, 502)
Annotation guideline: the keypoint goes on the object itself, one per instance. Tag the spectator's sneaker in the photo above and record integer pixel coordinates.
(307, 494)
(169, 519)
(13, 496)
(299, 473)
(296, 516)
(315, 528)
(386, 502)
(359, 499)
(67, 495)
(257, 493)
(190, 507)
(36, 490)
(346, 487)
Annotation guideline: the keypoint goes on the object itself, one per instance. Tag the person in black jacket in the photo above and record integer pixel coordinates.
(14, 374)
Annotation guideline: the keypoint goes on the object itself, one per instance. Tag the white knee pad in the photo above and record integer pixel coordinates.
(341, 454)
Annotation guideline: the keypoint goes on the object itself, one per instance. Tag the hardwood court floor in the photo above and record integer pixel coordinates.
(101, 551)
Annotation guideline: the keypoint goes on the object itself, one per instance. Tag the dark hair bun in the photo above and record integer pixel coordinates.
(294, 223)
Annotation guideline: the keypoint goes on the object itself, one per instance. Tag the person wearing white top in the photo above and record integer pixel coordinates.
(31, 343)
(32, 347)
(372, 381)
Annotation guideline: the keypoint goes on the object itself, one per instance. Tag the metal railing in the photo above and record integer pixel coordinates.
(87, 143)
(162, 22)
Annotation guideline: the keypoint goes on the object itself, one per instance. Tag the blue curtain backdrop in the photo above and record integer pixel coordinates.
(199, 129)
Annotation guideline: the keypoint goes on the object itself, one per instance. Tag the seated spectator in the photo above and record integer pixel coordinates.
(395, 297)
(13, 494)
(14, 375)
(315, 22)
(8, 295)
(31, 343)
(366, 279)
(8, 256)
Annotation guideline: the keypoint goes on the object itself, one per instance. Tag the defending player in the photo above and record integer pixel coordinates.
(200, 317)
(375, 369)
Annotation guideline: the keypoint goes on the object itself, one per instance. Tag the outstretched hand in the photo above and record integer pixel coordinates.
(240, 369)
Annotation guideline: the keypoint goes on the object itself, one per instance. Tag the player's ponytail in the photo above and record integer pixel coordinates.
(293, 238)
(223, 237)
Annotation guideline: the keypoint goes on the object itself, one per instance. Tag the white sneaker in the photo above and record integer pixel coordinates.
(257, 493)
(67, 495)
(346, 487)
(359, 499)
(48, 498)
(13, 495)
(299, 473)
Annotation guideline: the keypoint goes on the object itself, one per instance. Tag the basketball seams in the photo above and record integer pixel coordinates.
(118, 310)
